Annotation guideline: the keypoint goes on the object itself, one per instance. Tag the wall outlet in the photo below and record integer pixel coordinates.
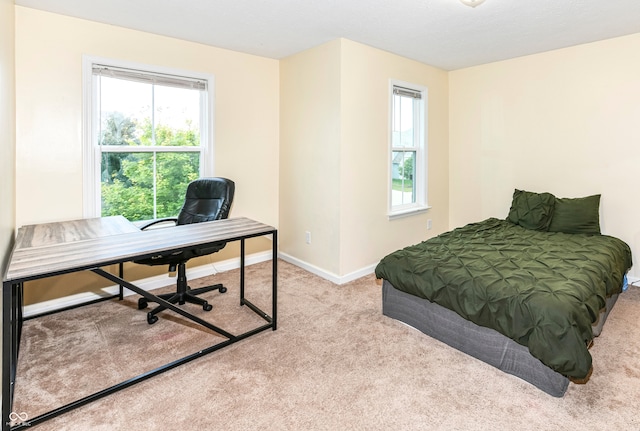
(429, 224)
(307, 237)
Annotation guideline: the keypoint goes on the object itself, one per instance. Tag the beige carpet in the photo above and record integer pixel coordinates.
(334, 363)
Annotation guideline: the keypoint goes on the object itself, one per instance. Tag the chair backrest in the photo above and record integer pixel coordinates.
(207, 199)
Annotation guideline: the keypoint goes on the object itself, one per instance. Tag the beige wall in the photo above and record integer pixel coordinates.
(7, 130)
(334, 155)
(366, 232)
(49, 50)
(316, 128)
(309, 155)
(565, 121)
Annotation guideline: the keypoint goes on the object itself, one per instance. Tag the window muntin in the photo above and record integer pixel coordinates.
(408, 153)
(150, 137)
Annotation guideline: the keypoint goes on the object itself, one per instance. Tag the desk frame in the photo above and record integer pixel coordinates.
(12, 303)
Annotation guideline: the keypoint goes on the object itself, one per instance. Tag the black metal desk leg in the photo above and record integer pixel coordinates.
(121, 275)
(242, 271)
(274, 279)
(9, 337)
(16, 317)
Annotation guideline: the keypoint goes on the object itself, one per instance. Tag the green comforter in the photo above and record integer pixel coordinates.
(541, 289)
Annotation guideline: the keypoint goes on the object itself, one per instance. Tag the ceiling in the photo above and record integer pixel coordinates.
(441, 33)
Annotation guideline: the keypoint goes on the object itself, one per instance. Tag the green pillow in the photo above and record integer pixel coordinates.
(579, 215)
(531, 210)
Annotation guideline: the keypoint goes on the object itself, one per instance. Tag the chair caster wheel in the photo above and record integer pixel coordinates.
(142, 303)
(207, 307)
(151, 318)
(222, 289)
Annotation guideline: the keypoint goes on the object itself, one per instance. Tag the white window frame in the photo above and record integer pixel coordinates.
(421, 174)
(91, 206)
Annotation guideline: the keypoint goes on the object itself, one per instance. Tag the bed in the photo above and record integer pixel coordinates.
(527, 294)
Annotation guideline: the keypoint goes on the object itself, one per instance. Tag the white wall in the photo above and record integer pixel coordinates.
(7, 130)
(565, 121)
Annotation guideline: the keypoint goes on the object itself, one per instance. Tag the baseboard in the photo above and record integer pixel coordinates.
(149, 283)
(337, 279)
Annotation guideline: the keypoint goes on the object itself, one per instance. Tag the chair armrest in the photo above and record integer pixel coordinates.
(162, 220)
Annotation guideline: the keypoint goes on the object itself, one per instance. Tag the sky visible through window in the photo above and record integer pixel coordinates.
(174, 107)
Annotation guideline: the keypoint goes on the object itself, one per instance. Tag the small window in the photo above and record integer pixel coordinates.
(407, 188)
(148, 135)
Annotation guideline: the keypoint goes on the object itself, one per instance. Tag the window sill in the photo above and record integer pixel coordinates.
(408, 212)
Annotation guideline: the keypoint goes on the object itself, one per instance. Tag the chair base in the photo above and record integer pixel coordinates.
(182, 295)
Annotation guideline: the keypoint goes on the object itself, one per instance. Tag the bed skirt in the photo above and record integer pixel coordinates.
(482, 343)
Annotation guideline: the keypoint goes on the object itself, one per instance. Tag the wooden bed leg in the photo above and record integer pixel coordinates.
(583, 380)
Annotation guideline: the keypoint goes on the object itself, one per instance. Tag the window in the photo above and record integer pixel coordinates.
(148, 134)
(407, 188)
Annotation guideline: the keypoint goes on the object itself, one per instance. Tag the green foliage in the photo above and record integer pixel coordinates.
(128, 178)
(117, 130)
(406, 170)
(175, 171)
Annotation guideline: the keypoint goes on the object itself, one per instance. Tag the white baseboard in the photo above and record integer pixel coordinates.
(149, 283)
(162, 280)
(337, 279)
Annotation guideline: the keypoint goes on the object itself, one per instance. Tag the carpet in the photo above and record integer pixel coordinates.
(335, 362)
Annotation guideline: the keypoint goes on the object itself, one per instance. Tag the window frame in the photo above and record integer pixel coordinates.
(421, 136)
(91, 202)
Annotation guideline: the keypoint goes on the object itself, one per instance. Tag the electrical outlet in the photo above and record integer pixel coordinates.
(429, 224)
(307, 237)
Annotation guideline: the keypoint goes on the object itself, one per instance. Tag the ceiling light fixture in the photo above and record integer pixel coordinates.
(472, 3)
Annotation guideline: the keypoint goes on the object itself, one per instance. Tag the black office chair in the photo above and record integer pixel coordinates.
(206, 199)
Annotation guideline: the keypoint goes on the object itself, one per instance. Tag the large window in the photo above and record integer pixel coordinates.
(148, 135)
(407, 188)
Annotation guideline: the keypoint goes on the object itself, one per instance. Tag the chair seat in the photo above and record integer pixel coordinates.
(182, 256)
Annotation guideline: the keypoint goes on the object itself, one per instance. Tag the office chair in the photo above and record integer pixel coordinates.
(206, 199)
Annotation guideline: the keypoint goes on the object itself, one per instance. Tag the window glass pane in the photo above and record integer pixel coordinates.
(176, 137)
(396, 117)
(177, 116)
(406, 122)
(403, 119)
(402, 175)
(127, 185)
(174, 172)
(124, 105)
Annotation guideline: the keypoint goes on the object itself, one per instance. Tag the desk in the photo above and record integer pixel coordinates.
(51, 249)
(48, 234)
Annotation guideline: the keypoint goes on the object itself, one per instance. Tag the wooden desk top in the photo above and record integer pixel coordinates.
(45, 250)
(36, 235)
